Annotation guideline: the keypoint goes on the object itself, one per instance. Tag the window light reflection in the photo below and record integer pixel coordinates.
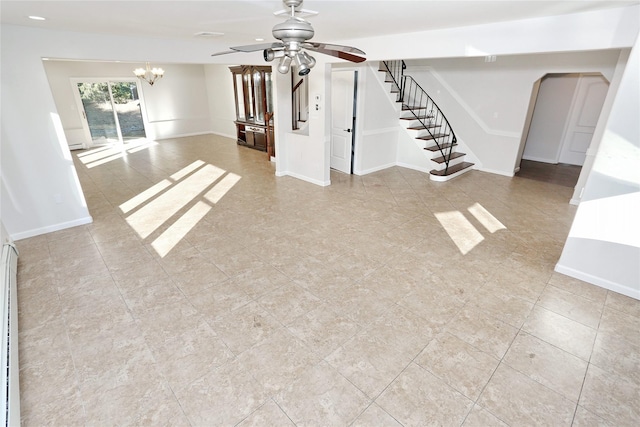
(196, 188)
(485, 218)
(152, 215)
(179, 229)
(460, 230)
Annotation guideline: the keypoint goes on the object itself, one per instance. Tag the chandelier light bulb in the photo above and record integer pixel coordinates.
(149, 75)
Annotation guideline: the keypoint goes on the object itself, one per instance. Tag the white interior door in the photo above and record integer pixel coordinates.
(342, 119)
(590, 94)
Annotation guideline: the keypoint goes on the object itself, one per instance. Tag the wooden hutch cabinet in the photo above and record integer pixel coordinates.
(254, 106)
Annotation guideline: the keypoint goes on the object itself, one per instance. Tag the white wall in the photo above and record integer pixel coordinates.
(376, 122)
(4, 234)
(549, 117)
(613, 28)
(177, 105)
(40, 187)
(186, 114)
(41, 192)
(222, 108)
(304, 156)
(603, 246)
(487, 102)
(598, 133)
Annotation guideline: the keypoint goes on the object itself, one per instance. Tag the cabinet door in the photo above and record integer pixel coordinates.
(258, 89)
(242, 134)
(240, 97)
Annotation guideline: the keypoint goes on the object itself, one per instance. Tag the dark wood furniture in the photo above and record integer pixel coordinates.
(252, 87)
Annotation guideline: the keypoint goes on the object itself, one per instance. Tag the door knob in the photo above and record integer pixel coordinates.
(348, 130)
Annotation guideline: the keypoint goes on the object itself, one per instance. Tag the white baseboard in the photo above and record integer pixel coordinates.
(51, 228)
(540, 159)
(183, 135)
(230, 136)
(598, 281)
(304, 178)
(496, 172)
(413, 167)
(375, 169)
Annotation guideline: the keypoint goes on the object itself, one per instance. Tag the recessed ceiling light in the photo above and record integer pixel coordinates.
(208, 34)
(37, 18)
(259, 39)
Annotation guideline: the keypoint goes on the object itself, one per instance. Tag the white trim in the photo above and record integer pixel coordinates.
(598, 281)
(540, 159)
(496, 172)
(374, 169)
(51, 228)
(304, 178)
(184, 135)
(234, 137)
(413, 167)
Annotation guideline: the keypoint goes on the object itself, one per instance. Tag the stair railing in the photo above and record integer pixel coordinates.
(395, 70)
(297, 101)
(424, 109)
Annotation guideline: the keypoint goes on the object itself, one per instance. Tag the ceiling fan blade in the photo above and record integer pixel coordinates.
(337, 53)
(257, 47)
(338, 47)
(224, 53)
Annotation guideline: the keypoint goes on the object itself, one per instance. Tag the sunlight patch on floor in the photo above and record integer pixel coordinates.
(216, 193)
(155, 213)
(462, 232)
(147, 194)
(176, 232)
(485, 218)
(101, 155)
(154, 207)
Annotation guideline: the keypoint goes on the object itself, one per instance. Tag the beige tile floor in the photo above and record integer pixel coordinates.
(209, 292)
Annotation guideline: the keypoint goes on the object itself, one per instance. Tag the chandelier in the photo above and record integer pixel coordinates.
(150, 75)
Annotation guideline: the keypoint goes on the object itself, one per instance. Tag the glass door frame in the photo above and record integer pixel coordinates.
(83, 115)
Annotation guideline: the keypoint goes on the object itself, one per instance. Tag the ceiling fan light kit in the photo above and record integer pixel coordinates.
(294, 35)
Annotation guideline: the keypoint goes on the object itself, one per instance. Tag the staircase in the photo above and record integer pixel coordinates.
(426, 123)
(299, 102)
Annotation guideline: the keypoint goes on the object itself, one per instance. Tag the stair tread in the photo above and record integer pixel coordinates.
(453, 156)
(413, 118)
(422, 127)
(453, 169)
(430, 137)
(442, 146)
(412, 107)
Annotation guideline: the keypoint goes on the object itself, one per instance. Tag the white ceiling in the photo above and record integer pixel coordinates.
(242, 21)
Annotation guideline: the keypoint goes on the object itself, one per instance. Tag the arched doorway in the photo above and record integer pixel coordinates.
(564, 113)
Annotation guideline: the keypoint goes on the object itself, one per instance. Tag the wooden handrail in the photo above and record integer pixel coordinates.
(271, 148)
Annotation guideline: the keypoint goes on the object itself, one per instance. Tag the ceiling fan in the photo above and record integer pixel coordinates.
(294, 35)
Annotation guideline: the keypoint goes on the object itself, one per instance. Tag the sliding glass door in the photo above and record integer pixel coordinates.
(111, 110)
